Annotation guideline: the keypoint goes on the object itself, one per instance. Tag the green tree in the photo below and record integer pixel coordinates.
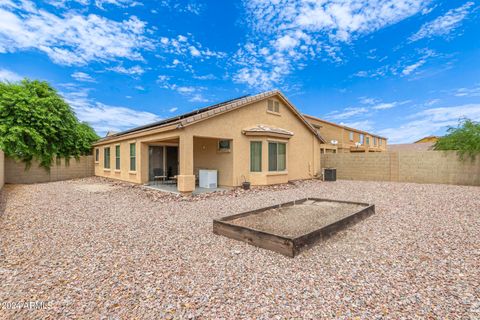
(37, 124)
(465, 138)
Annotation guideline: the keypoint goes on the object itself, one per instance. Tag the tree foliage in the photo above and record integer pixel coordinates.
(465, 139)
(37, 124)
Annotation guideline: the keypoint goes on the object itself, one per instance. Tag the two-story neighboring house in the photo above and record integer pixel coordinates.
(341, 138)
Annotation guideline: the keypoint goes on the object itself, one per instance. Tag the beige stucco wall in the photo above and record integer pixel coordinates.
(15, 171)
(406, 166)
(207, 156)
(336, 132)
(303, 155)
(2, 169)
(198, 148)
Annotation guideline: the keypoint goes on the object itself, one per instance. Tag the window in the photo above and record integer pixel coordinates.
(133, 158)
(380, 141)
(277, 156)
(117, 157)
(361, 138)
(224, 145)
(368, 140)
(374, 141)
(273, 106)
(256, 156)
(351, 135)
(97, 154)
(106, 158)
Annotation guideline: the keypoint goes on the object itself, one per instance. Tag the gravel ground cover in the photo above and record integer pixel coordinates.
(121, 252)
(299, 219)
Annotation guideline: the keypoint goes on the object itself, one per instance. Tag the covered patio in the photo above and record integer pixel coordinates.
(175, 164)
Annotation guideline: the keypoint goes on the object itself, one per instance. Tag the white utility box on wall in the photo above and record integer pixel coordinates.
(207, 178)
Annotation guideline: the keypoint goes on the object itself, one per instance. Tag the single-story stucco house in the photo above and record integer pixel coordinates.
(262, 139)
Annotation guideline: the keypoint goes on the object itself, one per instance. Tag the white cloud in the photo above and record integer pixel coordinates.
(141, 88)
(194, 51)
(187, 46)
(368, 100)
(173, 109)
(384, 106)
(205, 77)
(347, 113)
(98, 3)
(431, 102)
(82, 76)
(468, 92)
(71, 38)
(103, 117)
(285, 34)
(133, 71)
(185, 90)
(443, 25)
(409, 69)
(193, 92)
(404, 66)
(198, 98)
(10, 76)
(431, 121)
(365, 125)
(192, 7)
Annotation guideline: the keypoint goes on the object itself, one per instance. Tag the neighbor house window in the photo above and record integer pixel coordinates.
(351, 135)
(106, 158)
(374, 141)
(361, 138)
(97, 155)
(133, 157)
(117, 157)
(224, 145)
(255, 156)
(380, 141)
(368, 141)
(273, 106)
(277, 156)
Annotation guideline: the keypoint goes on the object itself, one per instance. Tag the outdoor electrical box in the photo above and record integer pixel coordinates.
(330, 174)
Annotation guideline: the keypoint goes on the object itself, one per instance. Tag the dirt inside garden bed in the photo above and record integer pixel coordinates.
(299, 219)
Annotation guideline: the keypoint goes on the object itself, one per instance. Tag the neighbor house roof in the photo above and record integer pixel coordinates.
(427, 139)
(192, 117)
(342, 126)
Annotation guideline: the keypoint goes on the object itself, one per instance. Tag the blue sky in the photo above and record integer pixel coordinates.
(400, 68)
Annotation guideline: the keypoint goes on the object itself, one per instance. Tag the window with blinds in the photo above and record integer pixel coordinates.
(255, 156)
(273, 106)
(277, 156)
(106, 158)
(133, 157)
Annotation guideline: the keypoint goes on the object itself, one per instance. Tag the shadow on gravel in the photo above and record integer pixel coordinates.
(3, 201)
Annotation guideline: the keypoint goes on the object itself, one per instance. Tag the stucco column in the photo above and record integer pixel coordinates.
(186, 178)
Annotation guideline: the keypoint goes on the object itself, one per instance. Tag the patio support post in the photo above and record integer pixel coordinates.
(186, 178)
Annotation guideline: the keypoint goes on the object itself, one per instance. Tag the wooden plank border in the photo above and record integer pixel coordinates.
(288, 246)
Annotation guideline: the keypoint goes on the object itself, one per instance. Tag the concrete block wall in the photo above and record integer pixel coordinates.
(2, 169)
(15, 171)
(406, 166)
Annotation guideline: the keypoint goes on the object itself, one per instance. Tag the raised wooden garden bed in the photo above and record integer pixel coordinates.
(290, 227)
